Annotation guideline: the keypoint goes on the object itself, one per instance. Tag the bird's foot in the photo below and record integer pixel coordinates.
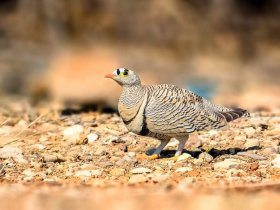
(147, 157)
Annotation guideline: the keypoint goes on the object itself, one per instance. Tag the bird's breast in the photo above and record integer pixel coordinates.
(133, 116)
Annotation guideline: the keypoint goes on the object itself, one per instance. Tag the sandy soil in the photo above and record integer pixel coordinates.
(85, 159)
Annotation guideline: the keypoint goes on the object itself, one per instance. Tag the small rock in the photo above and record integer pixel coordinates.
(109, 140)
(131, 154)
(39, 146)
(92, 137)
(88, 173)
(252, 143)
(159, 177)
(252, 155)
(250, 131)
(240, 138)
(117, 172)
(276, 162)
(50, 158)
(183, 169)
(12, 152)
(72, 134)
(28, 173)
(193, 142)
(138, 178)
(140, 170)
(172, 143)
(227, 164)
(205, 157)
(183, 157)
(254, 166)
(271, 150)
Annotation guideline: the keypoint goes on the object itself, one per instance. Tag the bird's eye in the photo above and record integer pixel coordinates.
(125, 73)
(118, 72)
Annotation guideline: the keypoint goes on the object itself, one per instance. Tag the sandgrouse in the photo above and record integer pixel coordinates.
(166, 111)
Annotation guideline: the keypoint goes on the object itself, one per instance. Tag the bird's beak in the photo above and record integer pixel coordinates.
(109, 76)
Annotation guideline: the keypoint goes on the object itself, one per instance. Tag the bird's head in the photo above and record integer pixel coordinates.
(125, 77)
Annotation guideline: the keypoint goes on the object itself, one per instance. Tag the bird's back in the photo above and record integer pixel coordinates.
(172, 110)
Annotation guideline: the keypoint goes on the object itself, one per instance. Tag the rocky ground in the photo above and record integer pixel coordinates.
(84, 158)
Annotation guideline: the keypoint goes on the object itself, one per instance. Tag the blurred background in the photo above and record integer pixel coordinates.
(228, 51)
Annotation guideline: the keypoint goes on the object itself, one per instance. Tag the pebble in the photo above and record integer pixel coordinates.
(249, 131)
(276, 162)
(131, 154)
(50, 158)
(138, 178)
(141, 170)
(252, 143)
(227, 164)
(205, 157)
(28, 173)
(194, 141)
(88, 173)
(117, 172)
(109, 140)
(183, 169)
(39, 146)
(12, 152)
(252, 155)
(73, 133)
(184, 156)
(92, 137)
(240, 138)
(158, 177)
(271, 150)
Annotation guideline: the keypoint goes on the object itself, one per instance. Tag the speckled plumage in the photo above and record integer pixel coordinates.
(167, 111)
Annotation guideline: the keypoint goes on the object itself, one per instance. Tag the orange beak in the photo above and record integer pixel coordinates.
(109, 76)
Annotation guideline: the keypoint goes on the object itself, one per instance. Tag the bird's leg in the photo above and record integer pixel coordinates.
(156, 153)
(160, 147)
(182, 142)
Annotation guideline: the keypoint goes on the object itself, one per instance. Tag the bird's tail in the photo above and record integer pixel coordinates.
(234, 114)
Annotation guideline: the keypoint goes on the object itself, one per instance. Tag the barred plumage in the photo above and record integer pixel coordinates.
(167, 111)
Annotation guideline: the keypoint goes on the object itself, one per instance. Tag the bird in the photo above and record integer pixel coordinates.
(166, 111)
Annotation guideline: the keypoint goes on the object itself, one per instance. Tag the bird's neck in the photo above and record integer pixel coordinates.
(132, 94)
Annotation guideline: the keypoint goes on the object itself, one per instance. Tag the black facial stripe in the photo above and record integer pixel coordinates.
(118, 72)
(125, 72)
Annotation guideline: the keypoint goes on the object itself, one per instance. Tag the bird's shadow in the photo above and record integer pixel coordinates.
(195, 153)
(86, 108)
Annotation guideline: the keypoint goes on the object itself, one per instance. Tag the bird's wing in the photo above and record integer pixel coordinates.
(173, 110)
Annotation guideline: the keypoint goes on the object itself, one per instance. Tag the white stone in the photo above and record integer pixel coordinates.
(138, 178)
(184, 156)
(252, 143)
(131, 154)
(12, 152)
(227, 163)
(73, 132)
(28, 173)
(183, 169)
(172, 143)
(276, 162)
(204, 156)
(92, 137)
(140, 170)
(249, 131)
